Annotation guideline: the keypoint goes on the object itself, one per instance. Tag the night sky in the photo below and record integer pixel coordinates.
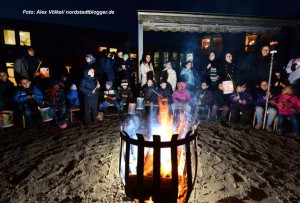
(124, 18)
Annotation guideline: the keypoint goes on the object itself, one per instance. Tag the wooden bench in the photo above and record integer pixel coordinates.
(71, 112)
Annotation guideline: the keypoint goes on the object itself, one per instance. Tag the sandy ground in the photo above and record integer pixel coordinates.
(237, 164)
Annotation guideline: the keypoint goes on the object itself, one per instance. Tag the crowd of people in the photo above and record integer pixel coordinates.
(108, 81)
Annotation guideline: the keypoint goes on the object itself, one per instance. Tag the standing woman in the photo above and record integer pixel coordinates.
(211, 68)
(263, 65)
(147, 71)
(227, 68)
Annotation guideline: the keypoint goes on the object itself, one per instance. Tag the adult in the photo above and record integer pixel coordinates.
(92, 63)
(119, 61)
(227, 70)
(262, 70)
(7, 92)
(169, 75)
(187, 75)
(107, 63)
(146, 69)
(126, 69)
(293, 69)
(211, 68)
(27, 65)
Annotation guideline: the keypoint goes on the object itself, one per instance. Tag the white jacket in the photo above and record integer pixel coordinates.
(172, 78)
(144, 69)
(293, 74)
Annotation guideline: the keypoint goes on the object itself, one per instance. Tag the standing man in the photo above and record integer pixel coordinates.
(27, 66)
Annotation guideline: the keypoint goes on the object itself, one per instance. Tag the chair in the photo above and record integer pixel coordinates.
(72, 114)
(201, 108)
(275, 122)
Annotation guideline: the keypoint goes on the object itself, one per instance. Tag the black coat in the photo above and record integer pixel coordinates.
(87, 85)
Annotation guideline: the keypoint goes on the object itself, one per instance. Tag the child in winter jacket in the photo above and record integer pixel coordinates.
(125, 94)
(90, 87)
(288, 106)
(241, 101)
(29, 99)
(181, 98)
(204, 98)
(55, 98)
(110, 96)
(73, 97)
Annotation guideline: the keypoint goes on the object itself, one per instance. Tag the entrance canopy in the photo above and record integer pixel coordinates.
(206, 23)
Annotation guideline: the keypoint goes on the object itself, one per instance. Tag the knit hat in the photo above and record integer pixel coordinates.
(109, 83)
(125, 56)
(124, 82)
(73, 87)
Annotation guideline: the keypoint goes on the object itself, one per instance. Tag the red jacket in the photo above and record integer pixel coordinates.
(287, 104)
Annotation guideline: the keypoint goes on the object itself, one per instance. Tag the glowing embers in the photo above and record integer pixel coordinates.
(161, 166)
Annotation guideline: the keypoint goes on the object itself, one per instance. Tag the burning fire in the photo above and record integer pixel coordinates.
(166, 129)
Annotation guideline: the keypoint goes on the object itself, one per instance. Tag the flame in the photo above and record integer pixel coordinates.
(149, 201)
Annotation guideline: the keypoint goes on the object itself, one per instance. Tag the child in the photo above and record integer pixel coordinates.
(29, 99)
(150, 95)
(220, 101)
(90, 88)
(73, 97)
(204, 97)
(125, 94)
(7, 92)
(56, 99)
(165, 94)
(260, 103)
(241, 101)
(181, 98)
(110, 96)
(288, 106)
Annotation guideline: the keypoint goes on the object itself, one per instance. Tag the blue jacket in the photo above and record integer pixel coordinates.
(260, 101)
(87, 85)
(107, 66)
(73, 97)
(21, 96)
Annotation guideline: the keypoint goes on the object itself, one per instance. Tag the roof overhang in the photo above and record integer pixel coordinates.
(210, 23)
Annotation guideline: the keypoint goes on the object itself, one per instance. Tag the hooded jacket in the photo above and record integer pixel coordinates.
(87, 85)
(245, 96)
(181, 96)
(287, 104)
(21, 96)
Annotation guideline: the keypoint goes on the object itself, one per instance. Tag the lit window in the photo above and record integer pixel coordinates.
(174, 56)
(181, 59)
(102, 48)
(156, 59)
(250, 43)
(205, 44)
(189, 57)
(166, 57)
(10, 72)
(25, 38)
(133, 56)
(217, 43)
(9, 37)
(113, 50)
(9, 64)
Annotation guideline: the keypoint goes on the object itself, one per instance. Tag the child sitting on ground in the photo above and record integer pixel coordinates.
(288, 106)
(110, 96)
(241, 101)
(125, 94)
(29, 99)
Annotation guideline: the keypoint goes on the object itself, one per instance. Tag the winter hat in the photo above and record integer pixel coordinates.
(73, 87)
(183, 84)
(124, 82)
(109, 83)
(125, 56)
(93, 59)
